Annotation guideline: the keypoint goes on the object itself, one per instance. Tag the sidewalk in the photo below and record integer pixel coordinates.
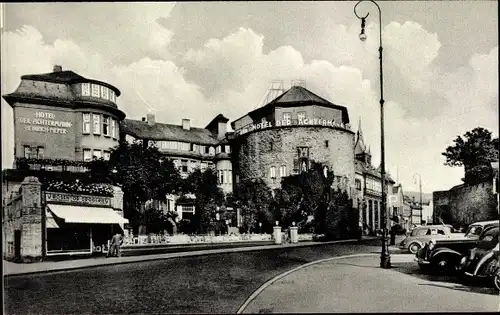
(11, 268)
(358, 284)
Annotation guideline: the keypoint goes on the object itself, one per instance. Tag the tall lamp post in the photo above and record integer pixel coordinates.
(385, 258)
(420, 190)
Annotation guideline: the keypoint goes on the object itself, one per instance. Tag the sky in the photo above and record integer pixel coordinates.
(198, 59)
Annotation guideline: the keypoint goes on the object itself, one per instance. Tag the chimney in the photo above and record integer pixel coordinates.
(57, 68)
(150, 118)
(143, 118)
(186, 124)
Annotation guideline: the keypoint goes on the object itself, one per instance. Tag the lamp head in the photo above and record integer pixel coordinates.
(362, 35)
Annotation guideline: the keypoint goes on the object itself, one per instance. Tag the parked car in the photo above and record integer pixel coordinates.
(482, 262)
(444, 255)
(424, 233)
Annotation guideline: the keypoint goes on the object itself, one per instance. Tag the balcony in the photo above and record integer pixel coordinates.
(371, 192)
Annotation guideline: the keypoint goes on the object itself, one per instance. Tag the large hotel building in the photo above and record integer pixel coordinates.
(62, 119)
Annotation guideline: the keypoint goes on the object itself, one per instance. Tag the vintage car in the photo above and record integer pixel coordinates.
(482, 262)
(420, 235)
(444, 255)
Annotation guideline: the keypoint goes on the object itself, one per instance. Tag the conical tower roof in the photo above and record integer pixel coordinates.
(360, 146)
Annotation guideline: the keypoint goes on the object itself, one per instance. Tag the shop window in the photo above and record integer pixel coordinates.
(104, 92)
(95, 90)
(283, 171)
(184, 166)
(40, 152)
(301, 115)
(107, 155)
(97, 154)
(87, 154)
(105, 126)
(273, 172)
(112, 96)
(86, 123)
(287, 116)
(27, 151)
(85, 89)
(96, 118)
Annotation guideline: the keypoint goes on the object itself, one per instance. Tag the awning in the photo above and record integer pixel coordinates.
(81, 214)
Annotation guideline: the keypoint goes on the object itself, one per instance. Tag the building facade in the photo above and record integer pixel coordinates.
(61, 120)
(189, 148)
(368, 186)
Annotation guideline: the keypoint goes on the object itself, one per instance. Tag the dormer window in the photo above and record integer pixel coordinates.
(85, 89)
(104, 92)
(95, 90)
(112, 97)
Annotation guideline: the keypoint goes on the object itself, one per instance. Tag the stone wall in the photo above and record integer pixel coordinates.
(466, 204)
(255, 153)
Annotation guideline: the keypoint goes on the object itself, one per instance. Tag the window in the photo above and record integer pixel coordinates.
(271, 146)
(104, 92)
(189, 209)
(184, 166)
(95, 90)
(97, 154)
(287, 116)
(273, 172)
(105, 126)
(228, 149)
(326, 143)
(27, 151)
(211, 151)
(283, 171)
(112, 96)
(172, 145)
(107, 155)
(39, 152)
(221, 176)
(87, 154)
(185, 146)
(218, 149)
(86, 123)
(301, 115)
(194, 147)
(358, 184)
(223, 148)
(96, 127)
(113, 128)
(229, 176)
(203, 149)
(85, 89)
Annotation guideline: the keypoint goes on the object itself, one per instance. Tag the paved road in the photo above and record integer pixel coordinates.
(353, 285)
(203, 284)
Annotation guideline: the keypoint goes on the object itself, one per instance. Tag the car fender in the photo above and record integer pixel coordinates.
(445, 251)
(482, 262)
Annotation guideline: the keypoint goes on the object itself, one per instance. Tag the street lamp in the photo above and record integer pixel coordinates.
(420, 188)
(385, 258)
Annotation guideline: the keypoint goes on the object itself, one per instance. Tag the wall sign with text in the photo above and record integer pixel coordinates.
(45, 122)
(77, 199)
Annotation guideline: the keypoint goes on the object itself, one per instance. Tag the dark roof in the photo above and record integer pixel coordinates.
(158, 131)
(217, 119)
(66, 77)
(297, 96)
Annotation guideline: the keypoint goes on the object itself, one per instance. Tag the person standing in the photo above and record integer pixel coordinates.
(115, 245)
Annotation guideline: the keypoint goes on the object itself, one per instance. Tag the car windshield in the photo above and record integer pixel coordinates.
(474, 230)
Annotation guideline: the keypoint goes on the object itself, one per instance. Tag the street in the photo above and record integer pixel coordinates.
(204, 284)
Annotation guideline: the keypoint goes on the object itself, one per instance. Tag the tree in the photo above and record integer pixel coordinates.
(208, 198)
(253, 198)
(143, 174)
(475, 153)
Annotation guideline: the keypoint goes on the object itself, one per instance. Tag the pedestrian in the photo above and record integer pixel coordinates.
(115, 245)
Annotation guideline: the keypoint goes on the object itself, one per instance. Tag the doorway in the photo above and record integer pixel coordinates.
(17, 245)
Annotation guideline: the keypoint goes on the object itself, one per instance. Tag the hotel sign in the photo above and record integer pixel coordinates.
(299, 122)
(45, 122)
(77, 199)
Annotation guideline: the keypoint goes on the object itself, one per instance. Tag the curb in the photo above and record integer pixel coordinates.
(182, 255)
(270, 282)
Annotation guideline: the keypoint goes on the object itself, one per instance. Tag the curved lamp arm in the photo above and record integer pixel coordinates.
(364, 18)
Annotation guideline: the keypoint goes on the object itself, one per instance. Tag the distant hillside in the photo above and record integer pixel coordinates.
(426, 197)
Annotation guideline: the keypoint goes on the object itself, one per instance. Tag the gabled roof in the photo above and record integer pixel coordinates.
(217, 119)
(365, 168)
(297, 96)
(158, 131)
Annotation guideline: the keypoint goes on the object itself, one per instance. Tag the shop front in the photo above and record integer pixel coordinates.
(80, 224)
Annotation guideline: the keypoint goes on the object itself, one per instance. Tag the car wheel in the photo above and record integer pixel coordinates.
(496, 280)
(414, 247)
(442, 265)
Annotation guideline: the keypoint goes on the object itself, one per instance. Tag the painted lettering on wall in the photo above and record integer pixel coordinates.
(77, 199)
(299, 122)
(45, 122)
